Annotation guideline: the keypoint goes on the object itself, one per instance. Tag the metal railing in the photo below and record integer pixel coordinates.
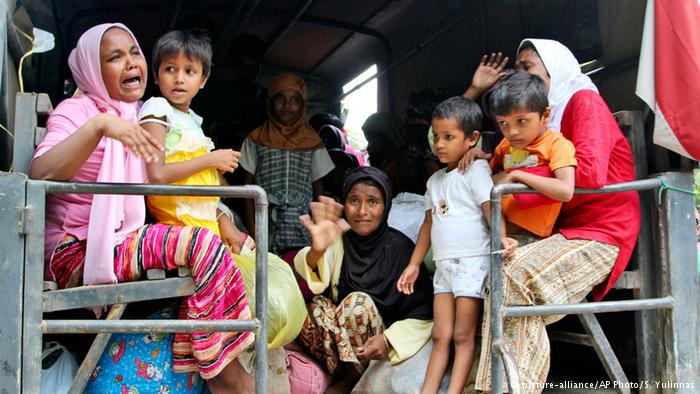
(34, 325)
(499, 311)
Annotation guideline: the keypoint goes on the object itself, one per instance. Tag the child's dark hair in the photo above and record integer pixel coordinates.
(461, 109)
(193, 43)
(520, 91)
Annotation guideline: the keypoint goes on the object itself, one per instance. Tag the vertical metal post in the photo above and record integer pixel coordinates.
(25, 120)
(33, 288)
(261, 236)
(496, 285)
(646, 322)
(679, 279)
(12, 197)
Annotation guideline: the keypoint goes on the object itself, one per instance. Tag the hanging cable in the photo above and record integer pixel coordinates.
(666, 186)
(7, 131)
(21, 60)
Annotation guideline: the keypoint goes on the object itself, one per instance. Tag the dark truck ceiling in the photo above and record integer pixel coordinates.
(418, 44)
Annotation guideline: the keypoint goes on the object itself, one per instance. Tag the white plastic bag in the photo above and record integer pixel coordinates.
(58, 377)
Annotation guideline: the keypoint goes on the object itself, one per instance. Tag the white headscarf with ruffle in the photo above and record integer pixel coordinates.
(565, 76)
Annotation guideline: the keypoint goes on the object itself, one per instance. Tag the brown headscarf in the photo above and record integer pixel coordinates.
(299, 136)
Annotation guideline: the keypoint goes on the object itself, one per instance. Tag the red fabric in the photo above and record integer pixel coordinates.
(288, 257)
(604, 158)
(526, 201)
(677, 68)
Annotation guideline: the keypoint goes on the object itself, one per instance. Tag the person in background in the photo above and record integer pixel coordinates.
(344, 162)
(286, 157)
(416, 125)
(323, 120)
(233, 104)
(385, 142)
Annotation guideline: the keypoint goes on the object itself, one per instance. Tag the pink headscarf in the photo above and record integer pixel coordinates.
(112, 217)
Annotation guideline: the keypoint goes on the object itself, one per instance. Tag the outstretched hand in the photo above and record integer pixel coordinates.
(408, 279)
(488, 73)
(325, 224)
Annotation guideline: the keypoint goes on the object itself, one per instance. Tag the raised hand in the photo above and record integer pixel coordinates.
(224, 160)
(325, 224)
(407, 279)
(488, 72)
(134, 138)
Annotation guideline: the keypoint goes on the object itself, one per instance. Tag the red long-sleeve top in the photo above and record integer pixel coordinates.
(604, 158)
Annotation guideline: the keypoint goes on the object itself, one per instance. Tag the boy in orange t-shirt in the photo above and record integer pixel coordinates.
(530, 153)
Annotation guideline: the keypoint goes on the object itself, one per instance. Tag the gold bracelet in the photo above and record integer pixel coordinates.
(220, 215)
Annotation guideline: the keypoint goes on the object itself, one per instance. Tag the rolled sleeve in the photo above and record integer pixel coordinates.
(407, 337)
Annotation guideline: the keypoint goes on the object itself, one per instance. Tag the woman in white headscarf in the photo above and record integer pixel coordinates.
(594, 235)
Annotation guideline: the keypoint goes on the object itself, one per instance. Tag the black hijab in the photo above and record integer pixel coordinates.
(373, 263)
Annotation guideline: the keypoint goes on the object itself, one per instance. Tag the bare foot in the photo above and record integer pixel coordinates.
(232, 379)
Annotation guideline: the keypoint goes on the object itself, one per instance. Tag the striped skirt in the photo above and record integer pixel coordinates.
(218, 294)
(553, 270)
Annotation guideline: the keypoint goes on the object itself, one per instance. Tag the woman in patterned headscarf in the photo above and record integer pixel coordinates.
(286, 157)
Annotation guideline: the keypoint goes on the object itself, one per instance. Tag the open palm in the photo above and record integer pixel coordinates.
(325, 224)
(489, 71)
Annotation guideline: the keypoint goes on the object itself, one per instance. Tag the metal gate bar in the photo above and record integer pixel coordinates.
(499, 311)
(34, 325)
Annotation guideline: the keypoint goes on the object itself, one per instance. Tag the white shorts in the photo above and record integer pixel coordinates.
(463, 277)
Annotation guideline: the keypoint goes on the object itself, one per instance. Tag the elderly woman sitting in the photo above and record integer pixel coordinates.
(361, 316)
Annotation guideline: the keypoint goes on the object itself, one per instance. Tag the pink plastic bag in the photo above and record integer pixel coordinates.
(305, 375)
